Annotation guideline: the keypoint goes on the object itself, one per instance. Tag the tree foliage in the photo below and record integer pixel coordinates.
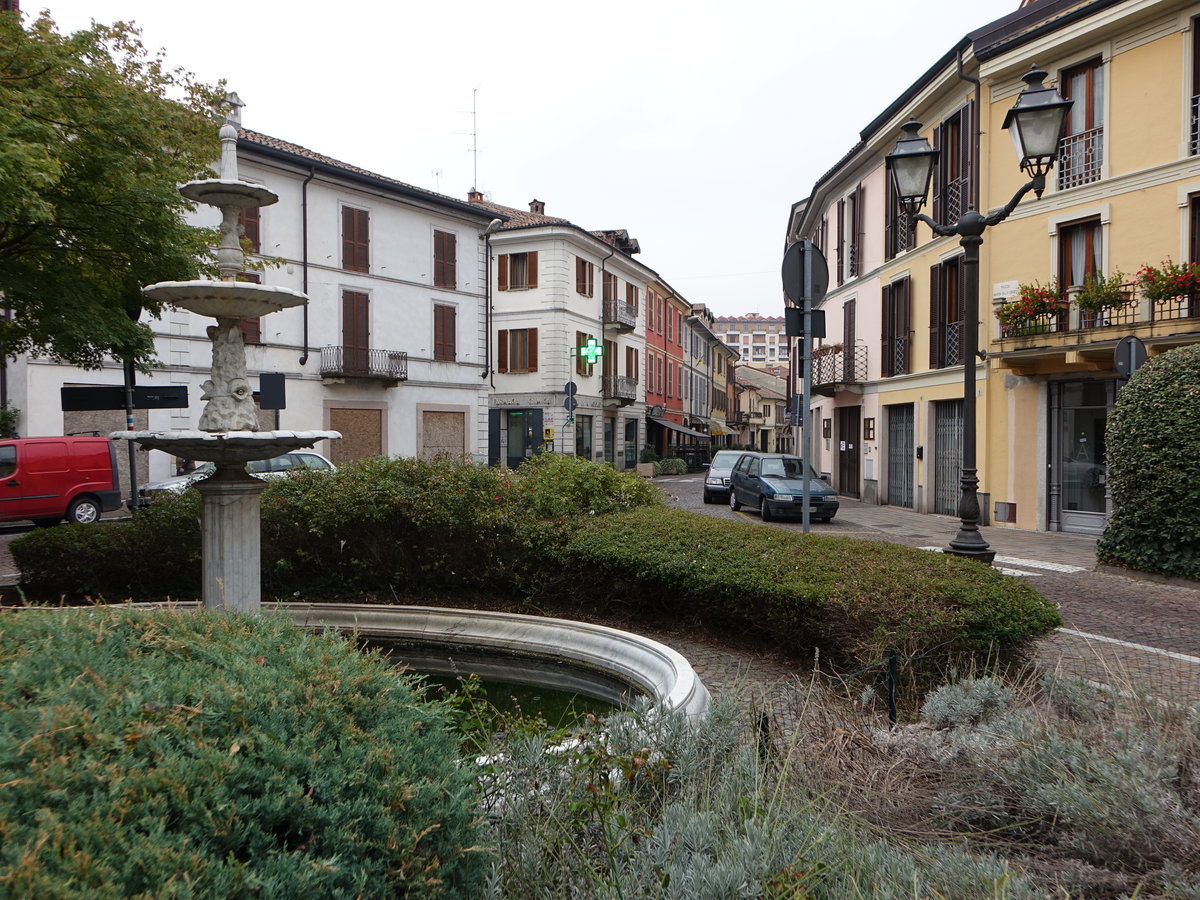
(96, 134)
(1153, 458)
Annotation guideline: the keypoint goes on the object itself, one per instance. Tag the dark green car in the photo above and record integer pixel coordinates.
(772, 482)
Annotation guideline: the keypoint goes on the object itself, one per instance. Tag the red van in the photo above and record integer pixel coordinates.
(48, 479)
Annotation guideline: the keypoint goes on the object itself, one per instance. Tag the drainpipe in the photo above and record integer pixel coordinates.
(976, 136)
(312, 173)
(493, 227)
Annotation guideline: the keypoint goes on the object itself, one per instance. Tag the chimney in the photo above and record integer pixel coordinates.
(537, 207)
(474, 196)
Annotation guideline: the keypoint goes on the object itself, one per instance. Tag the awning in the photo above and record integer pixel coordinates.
(717, 428)
(667, 423)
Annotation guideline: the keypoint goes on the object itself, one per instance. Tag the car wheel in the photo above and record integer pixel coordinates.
(708, 498)
(83, 510)
(765, 509)
(734, 503)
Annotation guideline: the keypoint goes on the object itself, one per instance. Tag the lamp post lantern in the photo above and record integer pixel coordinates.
(1036, 122)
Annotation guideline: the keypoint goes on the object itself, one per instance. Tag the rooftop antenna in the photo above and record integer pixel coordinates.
(474, 139)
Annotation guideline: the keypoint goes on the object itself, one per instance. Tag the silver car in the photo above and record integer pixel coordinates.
(275, 467)
(716, 479)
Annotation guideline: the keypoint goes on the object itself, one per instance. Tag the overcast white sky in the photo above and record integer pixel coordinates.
(694, 125)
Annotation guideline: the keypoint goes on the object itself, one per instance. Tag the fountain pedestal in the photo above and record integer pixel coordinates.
(231, 539)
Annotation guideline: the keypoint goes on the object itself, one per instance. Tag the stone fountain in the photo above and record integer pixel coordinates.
(228, 432)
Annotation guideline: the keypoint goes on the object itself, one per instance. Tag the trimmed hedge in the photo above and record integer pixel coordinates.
(173, 754)
(1153, 460)
(854, 598)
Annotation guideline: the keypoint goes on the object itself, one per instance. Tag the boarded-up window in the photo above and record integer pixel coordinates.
(443, 433)
(356, 243)
(445, 332)
(445, 259)
(362, 434)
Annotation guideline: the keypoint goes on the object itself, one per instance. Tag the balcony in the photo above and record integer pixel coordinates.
(738, 418)
(1075, 339)
(621, 316)
(619, 390)
(338, 361)
(838, 368)
(1080, 157)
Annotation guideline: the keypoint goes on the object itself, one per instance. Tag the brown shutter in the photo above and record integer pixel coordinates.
(356, 255)
(502, 272)
(533, 350)
(900, 327)
(841, 241)
(856, 227)
(936, 316)
(248, 219)
(502, 350)
(579, 283)
(887, 353)
(531, 268)
(970, 129)
(939, 209)
(445, 259)
(848, 336)
(580, 362)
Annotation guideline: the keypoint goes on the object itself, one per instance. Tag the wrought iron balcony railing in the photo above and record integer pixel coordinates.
(620, 387)
(339, 361)
(1080, 157)
(1136, 309)
(839, 365)
(620, 314)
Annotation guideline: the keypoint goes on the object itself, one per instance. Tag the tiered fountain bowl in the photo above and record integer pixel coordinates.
(228, 433)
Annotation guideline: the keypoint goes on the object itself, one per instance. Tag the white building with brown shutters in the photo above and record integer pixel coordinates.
(567, 308)
(392, 349)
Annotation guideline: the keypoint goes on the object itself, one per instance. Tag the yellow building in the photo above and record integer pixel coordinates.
(1124, 194)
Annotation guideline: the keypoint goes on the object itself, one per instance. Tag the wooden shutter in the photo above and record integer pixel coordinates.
(856, 228)
(248, 219)
(531, 269)
(580, 283)
(939, 187)
(502, 272)
(886, 343)
(445, 332)
(356, 255)
(445, 259)
(848, 317)
(936, 317)
(356, 331)
(900, 327)
(533, 351)
(841, 241)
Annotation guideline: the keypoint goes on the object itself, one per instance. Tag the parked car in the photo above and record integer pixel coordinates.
(773, 483)
(716, 479)
(276, 467)
(48, 479)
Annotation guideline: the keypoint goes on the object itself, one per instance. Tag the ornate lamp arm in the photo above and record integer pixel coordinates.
(940, 230)
(972, 223)
(1036, 184)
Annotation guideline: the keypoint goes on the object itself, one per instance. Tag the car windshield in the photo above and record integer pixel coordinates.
(725, 460)
(787, 467)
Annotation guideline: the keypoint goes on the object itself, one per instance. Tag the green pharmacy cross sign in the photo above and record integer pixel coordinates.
(591, 351)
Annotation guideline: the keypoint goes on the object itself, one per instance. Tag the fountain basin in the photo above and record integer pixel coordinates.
(225, 446)
(229, 192)
(226, 299)
(616, 657)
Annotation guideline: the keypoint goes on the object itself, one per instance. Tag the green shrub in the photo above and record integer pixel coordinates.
(1153, 459)
(172, 754)
(555, 486)
(854, 598)
(670, 466)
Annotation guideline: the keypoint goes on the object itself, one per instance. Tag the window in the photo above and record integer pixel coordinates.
(251, 332)
(659, 381)
(582, 366)
(945, 314)
(894, 358)
(900, 232)
(517, 271)
(445, 332)
(632, 296)
(631, 362)
(955, 137)
(1078, 252)
(356, 244)
(1082, 151)
(445, 259)
(849, 236)
(584, 275)
(249, 222)
(517, 349)
(583, 436)
(1195, 131)
(356, 332)
(609, 361)
(610, 286)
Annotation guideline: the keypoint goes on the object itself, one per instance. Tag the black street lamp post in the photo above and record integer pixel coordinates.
(1036, 122)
